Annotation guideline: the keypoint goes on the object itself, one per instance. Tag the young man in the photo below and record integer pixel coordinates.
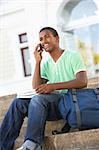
(61, 71)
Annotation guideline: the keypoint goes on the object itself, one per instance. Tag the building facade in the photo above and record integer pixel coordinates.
(77, 22)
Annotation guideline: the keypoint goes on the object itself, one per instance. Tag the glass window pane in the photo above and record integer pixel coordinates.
(23, 38)
(83, 9)
(86, 40)
(26, 61)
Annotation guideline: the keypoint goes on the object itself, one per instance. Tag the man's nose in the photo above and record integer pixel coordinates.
(44, 41)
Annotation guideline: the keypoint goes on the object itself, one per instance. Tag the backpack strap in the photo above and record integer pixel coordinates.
(74, 96)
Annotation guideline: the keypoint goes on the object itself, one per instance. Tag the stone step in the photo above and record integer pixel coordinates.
(50, 125)
(81, 140)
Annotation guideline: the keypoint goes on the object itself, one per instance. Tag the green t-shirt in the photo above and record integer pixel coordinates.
(64, 69)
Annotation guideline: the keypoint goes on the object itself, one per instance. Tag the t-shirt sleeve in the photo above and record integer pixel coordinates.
(77, 63)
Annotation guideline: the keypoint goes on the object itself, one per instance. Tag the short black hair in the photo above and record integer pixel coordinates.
(52, 30)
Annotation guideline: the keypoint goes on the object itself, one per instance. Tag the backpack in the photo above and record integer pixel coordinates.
(80, 107)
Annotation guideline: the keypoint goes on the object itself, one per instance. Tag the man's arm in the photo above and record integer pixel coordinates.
(37, 80)
(79, 82)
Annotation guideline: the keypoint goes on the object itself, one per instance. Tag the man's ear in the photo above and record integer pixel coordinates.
(57, 38)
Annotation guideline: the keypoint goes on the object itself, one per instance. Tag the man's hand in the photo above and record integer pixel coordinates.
(38, 54)
(44, 88)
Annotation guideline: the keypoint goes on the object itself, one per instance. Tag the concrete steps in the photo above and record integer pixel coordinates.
(79, 140)
(51, 125)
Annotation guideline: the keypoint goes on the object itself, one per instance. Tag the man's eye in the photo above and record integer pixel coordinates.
(40, 39)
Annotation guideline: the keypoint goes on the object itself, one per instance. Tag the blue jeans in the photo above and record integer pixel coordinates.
(39, 109)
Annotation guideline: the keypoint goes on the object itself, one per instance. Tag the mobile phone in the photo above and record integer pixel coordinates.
(40, 48)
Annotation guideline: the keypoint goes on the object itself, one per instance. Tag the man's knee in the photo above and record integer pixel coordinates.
(19, 104)
(16, 102)
(39, 100)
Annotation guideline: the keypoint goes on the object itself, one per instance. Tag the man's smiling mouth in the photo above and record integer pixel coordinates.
(46, 46)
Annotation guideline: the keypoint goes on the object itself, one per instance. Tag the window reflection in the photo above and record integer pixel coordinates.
(83, 9)
(26, 61)
(87, 42)
(80, 25)
(23, 37)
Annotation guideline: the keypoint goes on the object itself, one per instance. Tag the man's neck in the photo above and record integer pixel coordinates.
(56, 54)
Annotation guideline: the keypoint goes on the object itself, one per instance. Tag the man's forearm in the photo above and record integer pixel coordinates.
(36, 77)
(79, 82)
(47, 88)
(69, 84)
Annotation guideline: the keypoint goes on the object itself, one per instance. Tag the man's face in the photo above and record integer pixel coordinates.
(48, 41)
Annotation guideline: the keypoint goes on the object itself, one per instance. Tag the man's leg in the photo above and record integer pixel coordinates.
(38, 112)
(42, 107)
(12, 123)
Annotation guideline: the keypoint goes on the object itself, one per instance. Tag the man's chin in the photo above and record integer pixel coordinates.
(47, 50)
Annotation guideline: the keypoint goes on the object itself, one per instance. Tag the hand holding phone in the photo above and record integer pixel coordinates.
(40, 48)
(38, 52)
